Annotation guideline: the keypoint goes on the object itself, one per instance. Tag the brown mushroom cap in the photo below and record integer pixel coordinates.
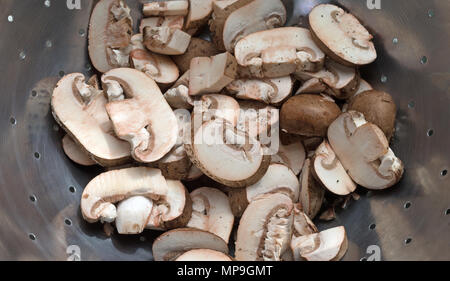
(144, 118)
(171, 244)
(378, 108)
(265, 228)
(75, 152)
(341, 36)
(308, 115)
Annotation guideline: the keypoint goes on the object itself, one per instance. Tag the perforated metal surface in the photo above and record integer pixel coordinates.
(40, 188)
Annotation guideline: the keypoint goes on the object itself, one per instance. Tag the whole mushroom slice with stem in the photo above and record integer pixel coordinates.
(265, 229)
(166, 40)
(211, 74)
(328, 245)
(140, 114)
(329, 171)
(222, 9)
(308, 115)
(211, 212)
(242, 158)
(166, 8)
(101, 193)
(172, 244)
(277, 179)
(80, 110)
(336, 80)
(110, 30)
(75, 152)
(292, 155)
(178, 96)
(341, 36)
(279, 52)
(272, 91)
(311, 192)
(256, 16)
(364, 151)
(160, 68)
(203, 255)
(378, 108)
(198, 15)
(198, 47)
(176, 22)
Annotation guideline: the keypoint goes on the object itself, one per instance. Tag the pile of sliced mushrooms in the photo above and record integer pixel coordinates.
(168, 108)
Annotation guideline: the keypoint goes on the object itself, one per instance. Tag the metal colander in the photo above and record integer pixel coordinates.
(40, 188)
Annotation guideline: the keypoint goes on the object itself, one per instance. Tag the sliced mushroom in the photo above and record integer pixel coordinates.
(166, 40)
(99, 196)
(341, 36)
(166, 8)
(308, 115)
(279, 52)
(302, 224)
(221, 10)
(311, 144)
(328, 245)
(158, 67)
(172, 210)
(312, 86)
(271, 91)
(203, 255)
(211, 212)
(178, 96)
(80, 110)
(213, 106)
(110, 30)
(265, 229)
(198, 15)
(242, 160)
(176, 22)
(378, 108)
(197, 48)
(311, 193)
(174, 243)
(292, 155)
(144, 119)
(338, 81)
(75, 152)
(211, 74)
(277, 179)
(259, 120)
(330, 172)
(363, 87)
(256, 16)
(133, 214)
(364, 151)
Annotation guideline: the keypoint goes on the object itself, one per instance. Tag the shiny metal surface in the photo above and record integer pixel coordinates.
(40, 188)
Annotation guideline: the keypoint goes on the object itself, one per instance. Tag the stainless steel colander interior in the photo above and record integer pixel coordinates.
(40, 188)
